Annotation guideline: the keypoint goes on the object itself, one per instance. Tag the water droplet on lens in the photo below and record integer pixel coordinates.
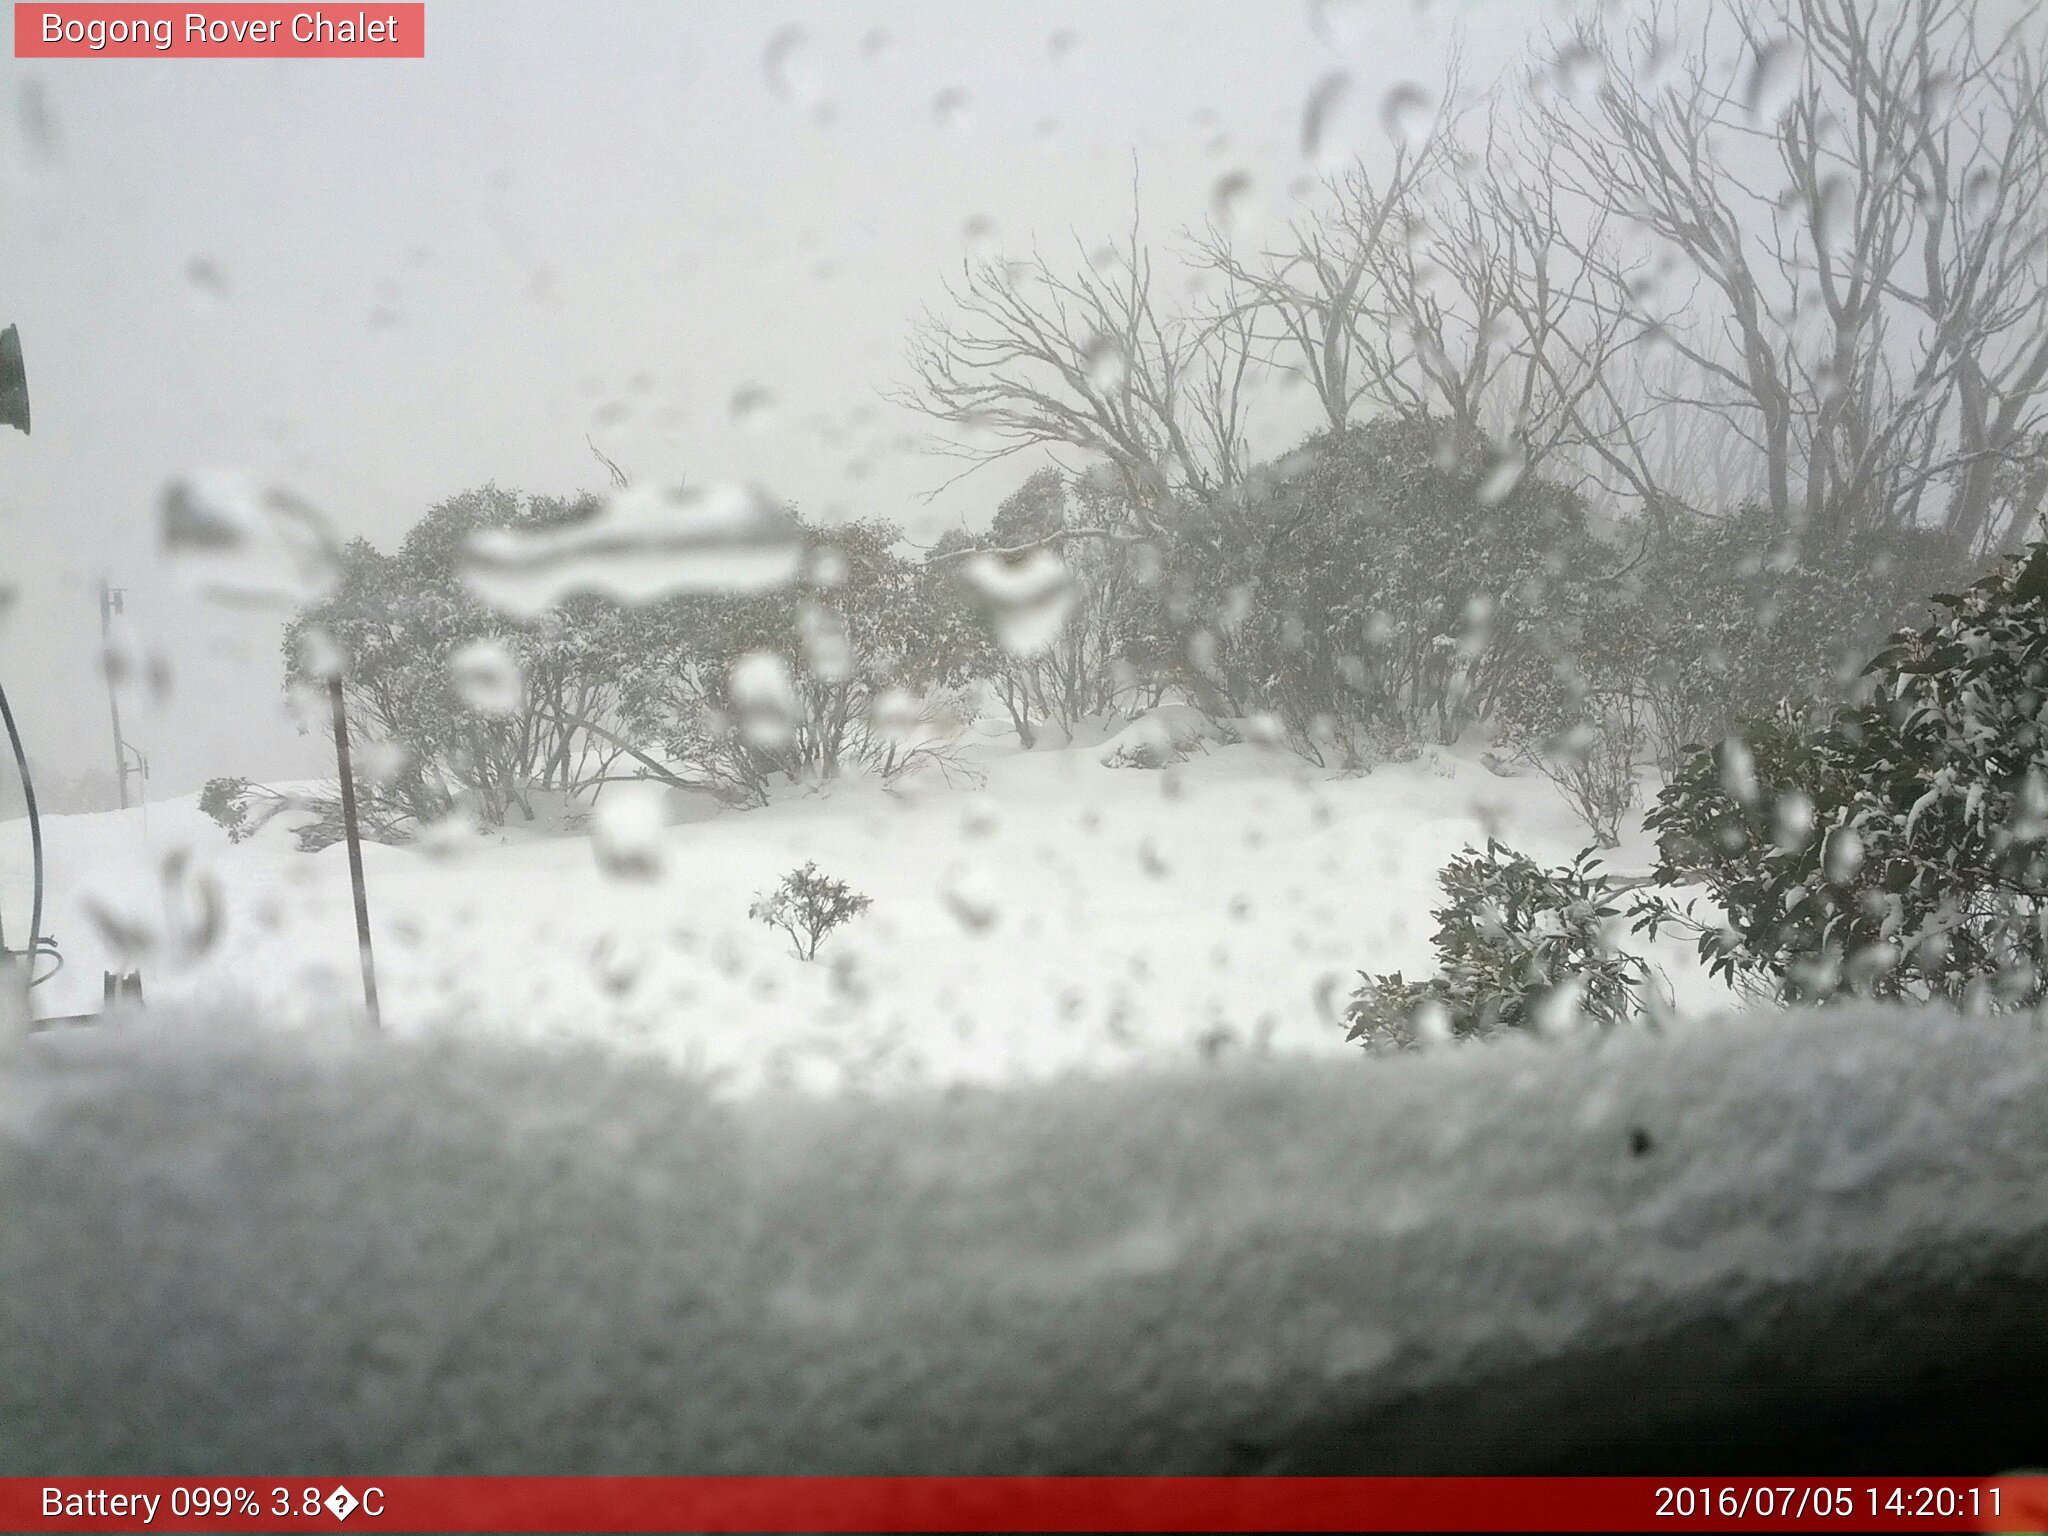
(1841, 855)
(318, 654)
(1738, 771)
(171, 919)
(949, 110)
(786, 62)
(1230, 199)
(980, 234)
(751, 407)
(204, 273)
(245, 546)
(1792, 821)
(1027, 599)
(1107, 365)
(1407, 112)
(38, 122)
(379, 761)
(969, 896)
(626, 831)
(1343, 24)
(1772, 79)
(646, 543)
(487, 677)
(1319, 118)
(1501, 479)
(1573, 71)
(896, 717)
(764, 697)
(828, 651)
(616, 964)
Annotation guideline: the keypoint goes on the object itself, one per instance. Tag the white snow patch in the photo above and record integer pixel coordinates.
(1050, 915)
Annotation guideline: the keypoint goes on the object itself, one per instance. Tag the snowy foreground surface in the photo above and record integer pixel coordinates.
(228, 1248)
(1058, 914)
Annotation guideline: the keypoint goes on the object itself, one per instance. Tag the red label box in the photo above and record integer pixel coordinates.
(366, 29)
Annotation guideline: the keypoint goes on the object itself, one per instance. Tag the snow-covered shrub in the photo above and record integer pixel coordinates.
(730, 694)
(1519, 946)
(1708, 624)
(243, 808)
(1082, 665)
(807, 906)
(1160, 738)
(478, 706)
(1731, 618)
(1896, 846)
(1364, 581)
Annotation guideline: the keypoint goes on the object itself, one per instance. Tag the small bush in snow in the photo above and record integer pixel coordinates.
(1520, 947)
(1593, 763)
(807, 906)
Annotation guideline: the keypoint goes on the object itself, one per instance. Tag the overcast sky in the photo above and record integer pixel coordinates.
(379, 283)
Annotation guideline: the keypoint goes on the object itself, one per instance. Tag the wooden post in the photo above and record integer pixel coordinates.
(355, 851)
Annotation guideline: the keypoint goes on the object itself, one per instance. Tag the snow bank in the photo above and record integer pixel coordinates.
(1159, 738)
(1051, 915)
(228, 1248)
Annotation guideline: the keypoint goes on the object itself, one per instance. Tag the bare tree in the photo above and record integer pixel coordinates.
(1086, 356)
(1842, 208)
(1315, 303)
(1440, 287)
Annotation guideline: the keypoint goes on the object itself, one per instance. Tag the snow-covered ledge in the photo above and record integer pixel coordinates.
(1758, 1239)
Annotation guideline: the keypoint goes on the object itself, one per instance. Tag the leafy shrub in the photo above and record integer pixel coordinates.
(226, 801)
(1896, 846)
(1710, 623)
(807, 906)
(1519, 947)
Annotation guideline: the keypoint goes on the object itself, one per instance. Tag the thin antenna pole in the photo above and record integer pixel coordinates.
(107, 603)
(355, 851)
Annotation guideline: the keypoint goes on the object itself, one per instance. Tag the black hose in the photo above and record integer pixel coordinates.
(35, 838)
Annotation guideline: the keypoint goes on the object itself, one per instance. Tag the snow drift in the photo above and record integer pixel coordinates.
(232, 1248)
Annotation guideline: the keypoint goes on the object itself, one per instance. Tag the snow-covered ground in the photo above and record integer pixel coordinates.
(1053, 911)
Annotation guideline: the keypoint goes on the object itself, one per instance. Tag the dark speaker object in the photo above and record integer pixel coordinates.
(13, 381)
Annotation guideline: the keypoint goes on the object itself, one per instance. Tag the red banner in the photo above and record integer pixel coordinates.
(371, 30)
(1025, 1504)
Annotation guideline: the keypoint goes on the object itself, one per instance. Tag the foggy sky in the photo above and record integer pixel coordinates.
(381, 282)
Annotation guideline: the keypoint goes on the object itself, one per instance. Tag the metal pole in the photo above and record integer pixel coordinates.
(113, 698)
(355, 851)
(35, 841)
